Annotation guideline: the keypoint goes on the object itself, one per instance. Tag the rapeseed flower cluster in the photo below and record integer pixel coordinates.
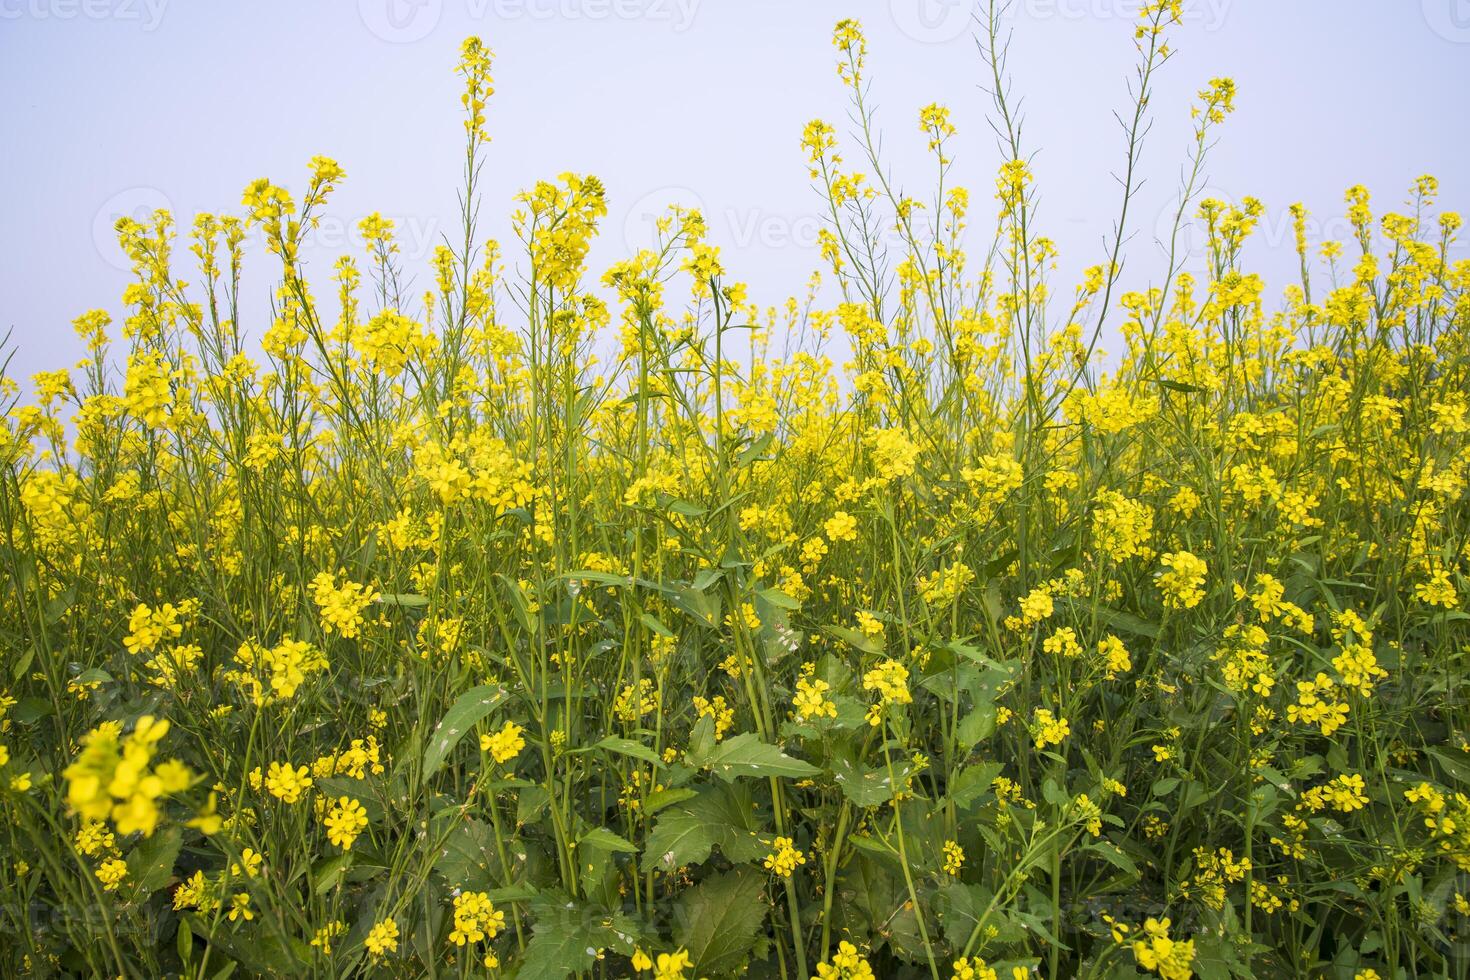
(510, 616)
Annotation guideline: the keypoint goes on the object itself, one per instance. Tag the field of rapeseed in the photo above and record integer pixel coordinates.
(566, 621)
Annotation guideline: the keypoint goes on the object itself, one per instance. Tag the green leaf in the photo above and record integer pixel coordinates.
(704, 608)
(405, 600)
(717, 920)
(655, 624)
(469, 859)
(184, 941)
(685, 509)
(659, 799)
(1458, 769)
(602, 839)
(872, 901)
(779, 599)
(329, 871)
(1116, 619)
(466, 712)
(594, 857)
(973, 782)
(31, 710)
(702, 738)
(531, 803)
(754, 450)
(869, 787)
(260, 954)
(558, 949)
(977, 726)
(151, 863)
(859, 641)
(747, 755)
(628, 747)
(1115, 856)
(334, 787)
(961, 907)
(22, 663)
(586, 575)
(687, 832)
(568, 936)
(57, 607)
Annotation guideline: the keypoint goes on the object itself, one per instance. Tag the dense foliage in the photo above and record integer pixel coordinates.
(546, 624)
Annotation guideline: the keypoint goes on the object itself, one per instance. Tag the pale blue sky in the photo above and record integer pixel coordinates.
(120, 105)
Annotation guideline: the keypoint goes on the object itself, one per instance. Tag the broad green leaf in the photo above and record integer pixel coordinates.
(151, 863)
(567, 936)
(977, 726)
(655, 624)
(184, 941)
(687, 832)
(328, 872)
(973, 782)
(1115, 856)
(531, 803)
(628, 747)
(779, 599)
(467, 711)
(856, 640)
(22, 663)
(602, 839)
(703, 607)
(405, 600)
(755, 450)
(702, 738)
(962, 906)
(747, 755)
(685, 509)
(869, 786)
(659, 799)
(470, 859)
(872, 901)
(717, 920)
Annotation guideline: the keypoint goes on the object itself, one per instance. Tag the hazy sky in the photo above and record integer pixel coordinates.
(120, 106)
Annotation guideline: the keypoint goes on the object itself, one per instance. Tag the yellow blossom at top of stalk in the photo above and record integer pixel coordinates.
(848, 38)
(474, 67)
